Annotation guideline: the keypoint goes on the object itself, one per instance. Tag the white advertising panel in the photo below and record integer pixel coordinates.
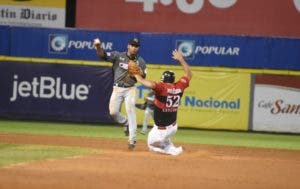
(276, 108)
(36, 13)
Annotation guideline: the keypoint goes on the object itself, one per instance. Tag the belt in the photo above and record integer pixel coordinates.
(121, 85)
(165, 127)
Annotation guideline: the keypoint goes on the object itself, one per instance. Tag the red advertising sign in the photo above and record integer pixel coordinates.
(229, 17)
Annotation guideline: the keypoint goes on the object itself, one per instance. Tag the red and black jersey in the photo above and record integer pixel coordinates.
(167, 100)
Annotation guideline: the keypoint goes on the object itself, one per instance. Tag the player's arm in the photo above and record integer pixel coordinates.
(143, 67)
(100, 52)
(178, 56)
(145, 82)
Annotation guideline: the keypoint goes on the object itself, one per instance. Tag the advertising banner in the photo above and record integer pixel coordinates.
(225, 17)
(55, 92)
(33, 13)
(277, 104)
(208, 50)
(5, 40)
(212, 101)
(64, 43)
(198, 50)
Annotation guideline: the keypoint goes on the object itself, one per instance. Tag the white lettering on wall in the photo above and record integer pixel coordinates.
(297, 5)
(185, 6)
(47, 87)
(192, 6)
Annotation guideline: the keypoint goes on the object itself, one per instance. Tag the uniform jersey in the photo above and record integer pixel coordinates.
(167, 100)
(120, 66)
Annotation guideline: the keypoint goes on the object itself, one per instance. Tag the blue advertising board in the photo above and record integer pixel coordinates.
(206, 50)
(156, 48)
(64, 43)
(55, 92)
(4, 40)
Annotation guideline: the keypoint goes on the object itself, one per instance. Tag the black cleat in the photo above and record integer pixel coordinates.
(131, 146)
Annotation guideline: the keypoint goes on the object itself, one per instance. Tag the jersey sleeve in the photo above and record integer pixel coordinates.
(111, 56)
(183, 82)
(159, 87)
(142, 64)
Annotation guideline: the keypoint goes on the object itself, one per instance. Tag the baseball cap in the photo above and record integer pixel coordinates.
(134, 42)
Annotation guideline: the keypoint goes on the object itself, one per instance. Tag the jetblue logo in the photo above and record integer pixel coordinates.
(186, 48)
(58, 43)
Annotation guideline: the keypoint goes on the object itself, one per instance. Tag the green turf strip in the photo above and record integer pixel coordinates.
(20, 153)
(244, 139)
(61, 129)
(262, 140)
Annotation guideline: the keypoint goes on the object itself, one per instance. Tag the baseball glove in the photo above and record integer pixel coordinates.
(133, 68)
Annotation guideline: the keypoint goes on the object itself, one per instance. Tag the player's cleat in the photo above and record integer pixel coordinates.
(177, 151)
(143, 132)
(131, 145)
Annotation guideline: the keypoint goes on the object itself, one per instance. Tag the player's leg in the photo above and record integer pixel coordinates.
(147, 116)
(169, 146)
(115, 103)
(155, 140)
(151, 113)
(131, 116)
(160, 140)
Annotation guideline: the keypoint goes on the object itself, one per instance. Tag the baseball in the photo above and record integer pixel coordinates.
(96, 41)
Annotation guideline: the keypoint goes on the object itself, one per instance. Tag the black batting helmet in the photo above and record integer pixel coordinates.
(168, 77)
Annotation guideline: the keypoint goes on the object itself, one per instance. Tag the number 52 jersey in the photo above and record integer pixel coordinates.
(167, 100)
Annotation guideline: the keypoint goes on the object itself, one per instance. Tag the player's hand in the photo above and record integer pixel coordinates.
(177, 55)
(97, 42)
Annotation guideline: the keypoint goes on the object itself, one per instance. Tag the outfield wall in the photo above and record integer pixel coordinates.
(44, 76)
(55, 92)
(214, 100)
(199, 50)
(276, 105)
(230, 17)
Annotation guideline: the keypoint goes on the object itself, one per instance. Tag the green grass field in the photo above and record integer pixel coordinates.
(19, 153)
(11, 154)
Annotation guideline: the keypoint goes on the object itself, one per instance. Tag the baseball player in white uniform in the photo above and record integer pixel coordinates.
(124, 85)
(168, 93)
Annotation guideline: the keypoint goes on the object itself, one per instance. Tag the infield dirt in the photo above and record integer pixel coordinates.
(113, 166)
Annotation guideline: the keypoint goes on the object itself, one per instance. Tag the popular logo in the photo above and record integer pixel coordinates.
(186, 47)
(58, 43)
(190, 49)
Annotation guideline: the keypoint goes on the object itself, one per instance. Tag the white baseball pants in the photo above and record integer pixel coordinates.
(159, 140)
(118, 96)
